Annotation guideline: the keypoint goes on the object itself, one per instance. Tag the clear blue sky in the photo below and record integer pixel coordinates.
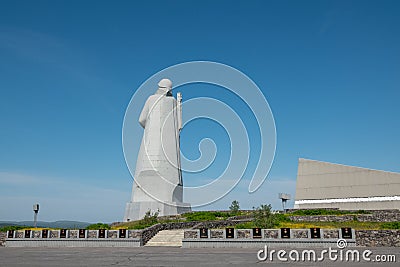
(330, 71)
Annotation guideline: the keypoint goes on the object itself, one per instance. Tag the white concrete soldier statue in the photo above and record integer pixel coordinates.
(158, 184)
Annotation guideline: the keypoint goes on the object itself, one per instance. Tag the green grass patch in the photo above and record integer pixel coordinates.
(206, 216)
(391, 225)
(98, 226)
(135, 225)
(141, 225)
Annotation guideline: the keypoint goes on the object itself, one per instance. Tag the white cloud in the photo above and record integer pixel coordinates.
(17, 178)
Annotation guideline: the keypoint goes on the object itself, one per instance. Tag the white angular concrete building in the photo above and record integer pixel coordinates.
(328, 185)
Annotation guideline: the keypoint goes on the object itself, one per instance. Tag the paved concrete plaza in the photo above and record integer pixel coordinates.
(158, 256)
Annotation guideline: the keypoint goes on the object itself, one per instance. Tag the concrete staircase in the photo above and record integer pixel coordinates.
(167, 238)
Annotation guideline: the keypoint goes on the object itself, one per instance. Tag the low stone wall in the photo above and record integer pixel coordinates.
(380, 216)
(218, 224)
(298, 237)
(73, 238)
(243, 238)
(378, 238)
(149, 232)
(265, 234)
(135, 238)
(323, 218)
(2, 238)
(62, 242)
(374, 216)
(143, 235)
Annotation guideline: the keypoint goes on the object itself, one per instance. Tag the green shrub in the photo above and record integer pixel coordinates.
(234, 208)
(282, 217)
(148, 220)
(264, 218)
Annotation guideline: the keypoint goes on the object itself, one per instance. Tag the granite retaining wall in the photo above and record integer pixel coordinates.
(246, 238)
(378, 238)
(298, 237)
(374, 216)
(73, 238)
(73, 235)
(363, 238)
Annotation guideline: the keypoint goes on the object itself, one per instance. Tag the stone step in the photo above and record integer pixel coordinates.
(167, 238)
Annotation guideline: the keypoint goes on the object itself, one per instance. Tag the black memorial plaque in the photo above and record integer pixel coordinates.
(102, 233)
(63, 233)
(10, 234)
(122, 233)
(27, 233)
(257, 233)
(82, 233)
(346, 233)
(230, 233)
(315, 232)
(285, 232)
(203, 233)
(45, 233)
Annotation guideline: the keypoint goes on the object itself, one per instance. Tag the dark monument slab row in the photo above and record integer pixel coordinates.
(27, 233)
(63, 233)
(257, 233)
(203, 233)
(82, 233)
(285, 232)
(45, 233)
(102, 233)
(10, 234)
(230, 233)
(315, 232)
(347, 233)
(122, 233)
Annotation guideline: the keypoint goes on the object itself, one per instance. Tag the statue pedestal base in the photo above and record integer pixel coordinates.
(136, 210)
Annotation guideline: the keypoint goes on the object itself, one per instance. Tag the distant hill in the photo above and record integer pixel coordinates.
(57, 224)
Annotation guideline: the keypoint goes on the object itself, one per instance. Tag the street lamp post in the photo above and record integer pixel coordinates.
(284, 197)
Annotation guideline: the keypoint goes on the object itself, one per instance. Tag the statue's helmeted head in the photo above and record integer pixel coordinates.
(165, 87)
(165, 83)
